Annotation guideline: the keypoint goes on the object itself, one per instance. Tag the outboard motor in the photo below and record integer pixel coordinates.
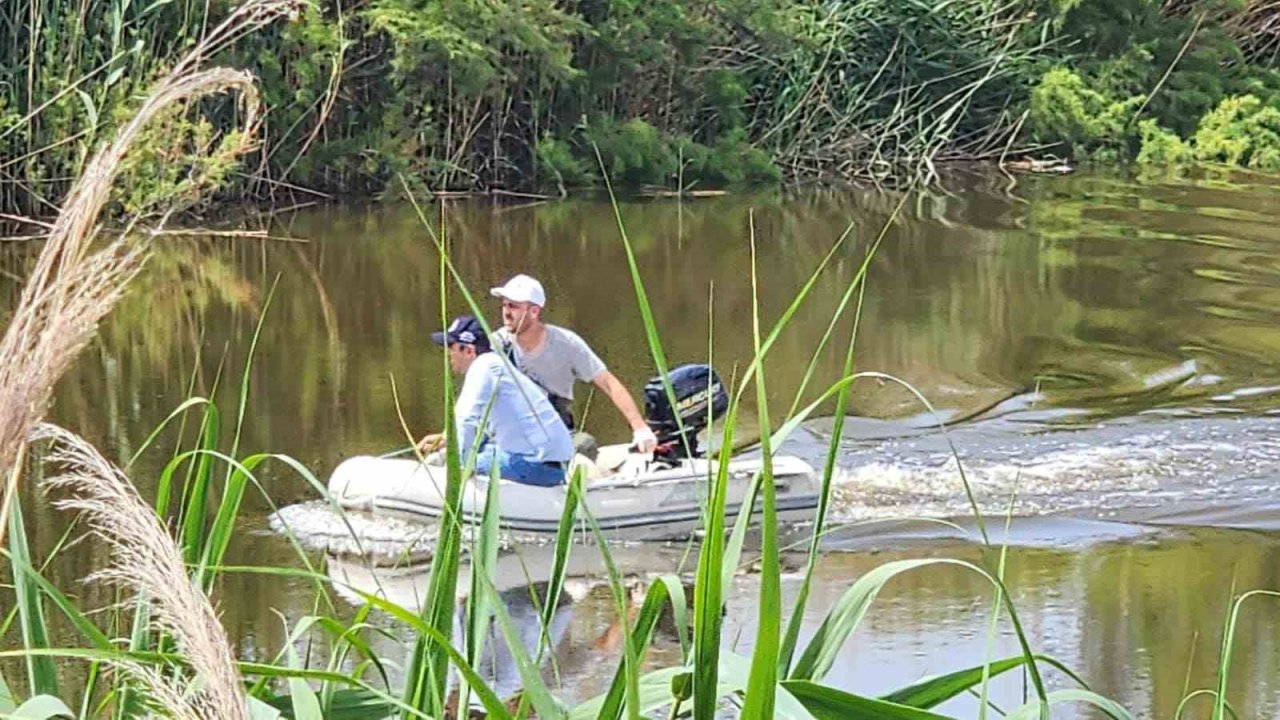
(699, 398)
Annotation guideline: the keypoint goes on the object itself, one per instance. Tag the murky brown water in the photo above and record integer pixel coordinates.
(1118, 342)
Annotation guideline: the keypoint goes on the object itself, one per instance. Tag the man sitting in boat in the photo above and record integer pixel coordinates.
(523, 434)
(555, 358)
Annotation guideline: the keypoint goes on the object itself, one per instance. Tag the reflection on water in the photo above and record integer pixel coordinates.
(1103, 348)
(1137, 618)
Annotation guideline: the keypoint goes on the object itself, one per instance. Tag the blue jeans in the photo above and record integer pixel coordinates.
(518, 467)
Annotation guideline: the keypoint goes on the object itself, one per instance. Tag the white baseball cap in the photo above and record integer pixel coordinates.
(521, 288)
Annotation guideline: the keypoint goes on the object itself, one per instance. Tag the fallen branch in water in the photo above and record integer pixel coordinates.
(24, 220)
(207, 233)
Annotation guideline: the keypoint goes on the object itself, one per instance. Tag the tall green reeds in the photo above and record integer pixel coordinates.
(69, 71)
(488, 97)
(478, 96)
(429, 663)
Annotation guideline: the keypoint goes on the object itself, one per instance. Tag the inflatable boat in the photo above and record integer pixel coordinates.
(635, 495)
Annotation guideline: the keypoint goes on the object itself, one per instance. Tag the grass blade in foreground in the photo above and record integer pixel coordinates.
(7, 702)
(535, 689)
(827, 703)
(219, 534)
(1228, 644)
(663, 591)
(42, 674)
(195, 490)
(303, 700)
(934, 691)
(429, 663)
(654, 691)
(642, 297)
(78, 619)
(484, 557)
(628, 674)
(848, 611)
(708, 585)
(762, 684)
(560, 563)
(787, 653)
(414, 621)
(1038, 708)
(42, 707)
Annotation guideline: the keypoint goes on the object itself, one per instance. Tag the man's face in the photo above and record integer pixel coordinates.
(518, 315)
(460, 356)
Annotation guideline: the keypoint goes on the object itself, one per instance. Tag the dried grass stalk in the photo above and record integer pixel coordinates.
(146, 561)
(71, 289)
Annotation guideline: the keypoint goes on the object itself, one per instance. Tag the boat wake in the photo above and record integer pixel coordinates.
(1136, 471)
(384, 540)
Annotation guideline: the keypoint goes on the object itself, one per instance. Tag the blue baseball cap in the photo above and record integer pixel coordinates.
(464, 329)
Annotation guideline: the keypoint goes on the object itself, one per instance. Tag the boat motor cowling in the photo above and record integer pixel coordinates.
(699, 398)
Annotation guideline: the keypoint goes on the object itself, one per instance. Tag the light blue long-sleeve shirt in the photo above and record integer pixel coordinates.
(521, 421)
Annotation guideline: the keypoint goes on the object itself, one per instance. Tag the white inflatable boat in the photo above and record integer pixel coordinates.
(628, 494)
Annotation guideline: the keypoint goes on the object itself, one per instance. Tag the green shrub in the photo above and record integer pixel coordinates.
(725, 97)
(556, 160)
(175, 158)
(1242, 130)
(1064, 109)
(1160, 147)
(1124, 48)
(734, 161)
(696, 159)
(634, 152)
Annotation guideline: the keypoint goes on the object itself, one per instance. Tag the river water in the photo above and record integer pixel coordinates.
(1106, 351)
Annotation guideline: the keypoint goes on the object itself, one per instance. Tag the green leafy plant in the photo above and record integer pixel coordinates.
(1065, 109)
(1160, 147)
(1240, 131)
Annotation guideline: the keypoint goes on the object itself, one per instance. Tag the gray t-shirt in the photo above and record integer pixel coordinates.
(563, 358)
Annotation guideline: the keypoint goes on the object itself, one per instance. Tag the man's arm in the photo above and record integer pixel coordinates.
(588, 365)
(621, 398)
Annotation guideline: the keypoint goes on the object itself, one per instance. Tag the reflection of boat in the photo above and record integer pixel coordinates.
(627, 493)
(515, 570)
(583, 635)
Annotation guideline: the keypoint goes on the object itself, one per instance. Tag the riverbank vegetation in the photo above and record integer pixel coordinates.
(465, 95)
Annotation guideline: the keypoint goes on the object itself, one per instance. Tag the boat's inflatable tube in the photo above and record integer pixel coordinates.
(635, 496)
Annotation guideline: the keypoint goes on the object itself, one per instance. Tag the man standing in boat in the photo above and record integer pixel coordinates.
(505, 412)
(555, 358)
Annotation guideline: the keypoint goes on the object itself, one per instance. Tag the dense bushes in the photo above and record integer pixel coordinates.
(1165, 84)
(462, 94)
(1082, 119)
